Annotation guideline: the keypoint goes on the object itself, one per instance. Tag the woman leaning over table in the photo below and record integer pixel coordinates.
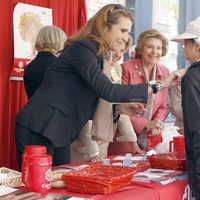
(92, 143)
(72, 85)
(151, 46)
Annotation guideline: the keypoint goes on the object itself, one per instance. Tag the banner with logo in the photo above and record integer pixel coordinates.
(27, 21)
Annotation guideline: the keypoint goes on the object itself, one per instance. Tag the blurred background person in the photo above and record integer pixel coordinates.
(132, 53)
(49, 42)
(151, 46)
(176, 107)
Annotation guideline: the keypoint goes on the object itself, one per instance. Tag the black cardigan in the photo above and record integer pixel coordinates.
(35, 70)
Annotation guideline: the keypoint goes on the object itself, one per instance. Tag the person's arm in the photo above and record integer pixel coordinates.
(139, 123)
(82, 56)
(129, 109)
(175, 106)
(84, 61)
(173, 79)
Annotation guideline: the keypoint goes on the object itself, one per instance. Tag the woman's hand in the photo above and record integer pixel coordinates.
(130, 109)
(181, 131)
(173, 79)
(155, 124)
(96, 158)
(156, 131)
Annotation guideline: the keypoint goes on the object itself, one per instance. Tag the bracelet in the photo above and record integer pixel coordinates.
(159, 85)
(156, 86)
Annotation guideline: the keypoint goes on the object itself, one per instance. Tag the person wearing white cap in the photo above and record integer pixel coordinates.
(191, 102)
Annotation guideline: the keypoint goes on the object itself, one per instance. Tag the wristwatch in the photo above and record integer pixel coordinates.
(156, 86)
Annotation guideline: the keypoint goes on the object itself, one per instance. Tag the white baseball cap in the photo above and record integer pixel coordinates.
(192, 32)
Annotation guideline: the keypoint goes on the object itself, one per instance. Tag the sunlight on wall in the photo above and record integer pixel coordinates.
(166, 20)
(95, 5)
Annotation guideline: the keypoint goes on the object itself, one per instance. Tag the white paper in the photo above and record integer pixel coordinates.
(170, 180)
(157, 175)
(133, 158)
(3, 176)
(6, 190)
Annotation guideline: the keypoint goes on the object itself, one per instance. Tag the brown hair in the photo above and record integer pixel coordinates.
(150, 33)
(95, 27)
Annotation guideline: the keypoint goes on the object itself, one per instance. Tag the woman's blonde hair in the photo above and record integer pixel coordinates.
(94, 29)
(150, 33)
(128, 43)
(51, 37)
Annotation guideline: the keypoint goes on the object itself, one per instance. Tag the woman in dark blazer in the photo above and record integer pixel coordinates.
(72, 85)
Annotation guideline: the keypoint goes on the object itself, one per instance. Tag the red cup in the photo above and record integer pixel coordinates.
(38, 176)
(31, 150)
(177, 145)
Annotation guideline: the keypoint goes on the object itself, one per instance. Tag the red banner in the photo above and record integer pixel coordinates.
(18, 68)
(27, 21)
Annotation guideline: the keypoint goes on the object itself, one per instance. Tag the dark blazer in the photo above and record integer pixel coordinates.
(191, 114)
(34, 71)
(69, 93)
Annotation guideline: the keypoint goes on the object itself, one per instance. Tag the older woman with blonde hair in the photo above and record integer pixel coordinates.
(49, 42)
(151, 46)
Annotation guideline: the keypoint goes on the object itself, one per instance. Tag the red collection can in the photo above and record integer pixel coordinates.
(38, 176)
(31, 150)
(35, 149)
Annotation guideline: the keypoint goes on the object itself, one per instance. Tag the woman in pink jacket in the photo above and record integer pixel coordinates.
(151, 46)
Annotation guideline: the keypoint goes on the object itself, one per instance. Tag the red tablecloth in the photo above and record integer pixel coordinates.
(140, 191)
(177, 190)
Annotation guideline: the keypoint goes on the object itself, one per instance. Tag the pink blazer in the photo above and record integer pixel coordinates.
(132, 73)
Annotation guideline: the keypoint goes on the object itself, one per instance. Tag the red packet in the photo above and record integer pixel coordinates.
(153, 140)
